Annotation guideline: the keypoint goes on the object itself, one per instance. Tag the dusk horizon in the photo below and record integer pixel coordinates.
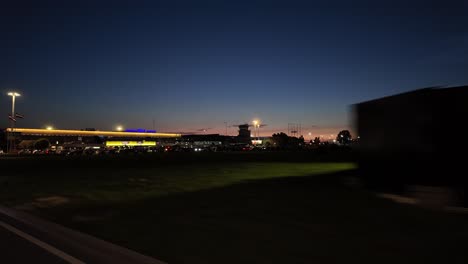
(189, 68)
(209, 132)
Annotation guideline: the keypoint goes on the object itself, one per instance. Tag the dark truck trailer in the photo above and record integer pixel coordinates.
(419, 138)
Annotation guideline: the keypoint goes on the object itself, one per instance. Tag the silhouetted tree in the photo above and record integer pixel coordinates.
(293, 143)
(301, 140)
(317, 140)
(280, 139)
(26, 144)
(344, 137)
(41, 144)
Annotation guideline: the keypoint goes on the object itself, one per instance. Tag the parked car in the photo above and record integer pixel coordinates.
(24, 152)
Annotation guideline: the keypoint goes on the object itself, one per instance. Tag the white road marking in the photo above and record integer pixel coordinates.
(42, 245)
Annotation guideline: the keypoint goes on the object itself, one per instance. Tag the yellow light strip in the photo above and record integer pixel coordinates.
(130, 143)
(59, 132)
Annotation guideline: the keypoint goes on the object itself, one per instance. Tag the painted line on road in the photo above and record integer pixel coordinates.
(42, 245)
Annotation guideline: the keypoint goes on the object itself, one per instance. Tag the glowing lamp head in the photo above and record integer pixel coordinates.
(14, 94)
(119, 128)
(49, 128)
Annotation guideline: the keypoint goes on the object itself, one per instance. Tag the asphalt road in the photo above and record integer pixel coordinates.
(28, 239)
(16, 249)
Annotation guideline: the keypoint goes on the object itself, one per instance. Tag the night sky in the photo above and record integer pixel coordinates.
(194, 66)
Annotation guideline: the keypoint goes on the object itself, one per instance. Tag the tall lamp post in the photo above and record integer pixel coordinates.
(258, 130)
(256, 127)
(11, 137)
(255, 122)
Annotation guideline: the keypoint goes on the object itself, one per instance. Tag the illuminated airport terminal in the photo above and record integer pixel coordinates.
(90, 138)
(26, 139)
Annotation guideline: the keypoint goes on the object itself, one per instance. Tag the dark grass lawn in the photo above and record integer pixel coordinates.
(236, 211)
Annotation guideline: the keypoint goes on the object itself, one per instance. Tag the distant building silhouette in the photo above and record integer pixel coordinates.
(244, 133)
(415, 138)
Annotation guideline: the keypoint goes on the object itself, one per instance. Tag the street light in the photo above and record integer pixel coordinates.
(49, 128)
(12, 118)
(13, 97)
(256, 126)
(119, 128)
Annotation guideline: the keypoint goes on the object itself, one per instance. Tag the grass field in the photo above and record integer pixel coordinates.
(232, 208)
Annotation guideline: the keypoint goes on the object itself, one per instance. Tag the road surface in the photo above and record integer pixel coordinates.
(16, 249)
(28, 239)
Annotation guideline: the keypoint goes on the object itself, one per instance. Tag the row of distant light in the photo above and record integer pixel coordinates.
(120, 129)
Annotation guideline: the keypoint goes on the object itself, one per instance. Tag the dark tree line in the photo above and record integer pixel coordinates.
(344, 137)
(282, 140)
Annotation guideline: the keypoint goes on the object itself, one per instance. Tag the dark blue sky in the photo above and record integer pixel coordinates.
(191, 66)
